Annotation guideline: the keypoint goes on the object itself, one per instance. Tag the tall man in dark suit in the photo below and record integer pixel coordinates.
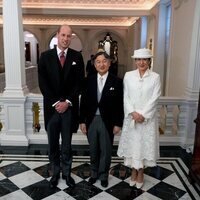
(60, 72)
(101, 116)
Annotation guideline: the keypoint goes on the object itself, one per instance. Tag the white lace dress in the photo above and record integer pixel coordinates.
(139, 142)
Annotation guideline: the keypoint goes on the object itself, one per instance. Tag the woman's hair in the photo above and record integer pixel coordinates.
(150, 63)
(149, 59)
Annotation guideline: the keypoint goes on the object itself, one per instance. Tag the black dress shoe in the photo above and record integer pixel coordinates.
(54, 181)
(92, 180)
(104, 183)
(70, 181)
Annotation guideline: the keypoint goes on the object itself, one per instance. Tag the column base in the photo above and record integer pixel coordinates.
(14, 140)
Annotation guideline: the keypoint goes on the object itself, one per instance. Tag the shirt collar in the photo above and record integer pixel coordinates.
(59, 51)
(104, 76)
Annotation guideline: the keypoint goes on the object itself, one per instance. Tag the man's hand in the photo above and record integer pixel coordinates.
(83, 128)
(61, 107)
(116, 130)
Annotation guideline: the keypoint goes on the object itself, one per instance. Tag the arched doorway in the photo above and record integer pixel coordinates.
(31, 49)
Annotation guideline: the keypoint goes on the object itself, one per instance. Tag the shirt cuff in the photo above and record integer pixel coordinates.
(53, 105)
(69, 102)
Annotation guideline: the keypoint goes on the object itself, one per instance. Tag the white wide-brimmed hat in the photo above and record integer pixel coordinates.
(142, 53)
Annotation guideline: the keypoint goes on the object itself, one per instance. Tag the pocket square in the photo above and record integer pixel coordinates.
(73, 63)
(112, 88)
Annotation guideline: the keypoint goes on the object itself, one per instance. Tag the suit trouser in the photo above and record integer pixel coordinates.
(60, 124)
(100, 149)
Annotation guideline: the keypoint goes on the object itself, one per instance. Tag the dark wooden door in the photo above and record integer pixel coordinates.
(28, 51)
(194, 173)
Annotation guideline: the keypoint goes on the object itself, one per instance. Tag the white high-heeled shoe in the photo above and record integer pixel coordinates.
(139, 185)
(132, 183)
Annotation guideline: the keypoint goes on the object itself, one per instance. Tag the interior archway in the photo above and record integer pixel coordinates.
(31, 49)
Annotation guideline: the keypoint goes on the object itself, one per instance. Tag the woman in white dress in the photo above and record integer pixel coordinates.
(139, 141)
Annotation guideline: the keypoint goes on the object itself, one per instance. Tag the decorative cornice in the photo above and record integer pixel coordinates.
(90, 4)
(114, 4)
(84, 12)
(95, 21)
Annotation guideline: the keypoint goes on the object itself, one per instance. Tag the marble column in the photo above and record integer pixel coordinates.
(193, 82)
(159, 45)
(14, 95)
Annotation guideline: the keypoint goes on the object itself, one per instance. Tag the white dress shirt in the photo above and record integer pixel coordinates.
(101, 81)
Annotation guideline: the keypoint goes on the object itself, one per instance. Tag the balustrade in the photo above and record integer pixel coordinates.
(172, 113)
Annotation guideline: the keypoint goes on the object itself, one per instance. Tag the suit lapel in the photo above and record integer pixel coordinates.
(54, 60)
(94, 87)
(68, 63)
(107, 86)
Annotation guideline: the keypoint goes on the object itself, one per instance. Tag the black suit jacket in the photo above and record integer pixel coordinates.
(49, 76)
(90, 68)
(110, 104)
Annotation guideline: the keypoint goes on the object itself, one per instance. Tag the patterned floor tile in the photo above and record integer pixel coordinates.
(103, 196)
(166, 191)
(39, 190)
(112, 180)
(173, 180)
(158, 172)
(59, 196)
(44, 170)
(82, 170)
(83, 191)
(13, 169)
(123, 191)
(120, 171)
(147, 196)
(27, 177)
(6, 187)
(19, 194)
(33, 165)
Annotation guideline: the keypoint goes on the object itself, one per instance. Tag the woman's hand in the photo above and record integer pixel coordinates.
(137, 117)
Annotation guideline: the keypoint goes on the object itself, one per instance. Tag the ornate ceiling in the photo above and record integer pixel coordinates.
(85, 12)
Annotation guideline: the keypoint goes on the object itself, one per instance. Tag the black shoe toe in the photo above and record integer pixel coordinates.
(54, 181)
(92, 180)
(70, 181)
(104, 183)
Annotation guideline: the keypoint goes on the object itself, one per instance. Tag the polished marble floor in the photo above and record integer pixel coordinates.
(25, 174)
